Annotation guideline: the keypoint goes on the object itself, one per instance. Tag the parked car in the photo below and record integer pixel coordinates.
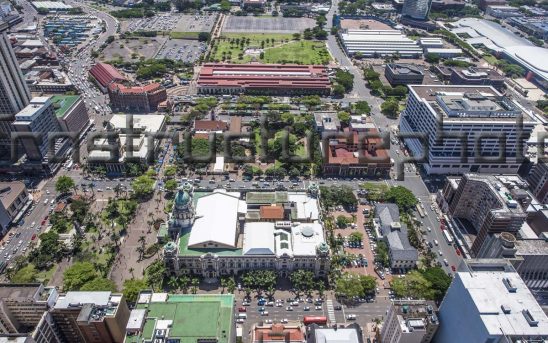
(351, 317)
(242, 309)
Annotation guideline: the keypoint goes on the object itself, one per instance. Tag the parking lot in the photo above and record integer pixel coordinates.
(265, 24)
(162, 22)
(198, 23)
(182, 50)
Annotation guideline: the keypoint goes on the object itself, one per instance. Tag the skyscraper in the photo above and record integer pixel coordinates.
(416, 9)
(14, 93)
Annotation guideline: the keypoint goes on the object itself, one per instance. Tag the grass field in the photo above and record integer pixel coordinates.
(183, 35)
(278, 48)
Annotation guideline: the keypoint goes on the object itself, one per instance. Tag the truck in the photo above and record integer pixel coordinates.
(447, 236)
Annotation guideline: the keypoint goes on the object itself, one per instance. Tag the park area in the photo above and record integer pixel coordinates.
(268, 48)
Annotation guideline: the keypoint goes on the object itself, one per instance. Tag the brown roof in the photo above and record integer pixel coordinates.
(278, 332)
(60, 207)
(272, 212)
(210, 125)
(9, 191)
(235, 124)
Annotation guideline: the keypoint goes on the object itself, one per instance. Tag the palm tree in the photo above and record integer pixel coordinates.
(131, 270)
(183, 283)
(84, 188)
(173, 283)
(195, 282)
(224, 283)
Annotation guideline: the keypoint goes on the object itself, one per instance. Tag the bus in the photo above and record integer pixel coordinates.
(447, 236)
(315, 320)
(420, 210)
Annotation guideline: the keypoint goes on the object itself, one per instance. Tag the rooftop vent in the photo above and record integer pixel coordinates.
(505, 309)
(509, 285)
(529, 317)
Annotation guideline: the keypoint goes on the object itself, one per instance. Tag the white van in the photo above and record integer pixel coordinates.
(242, 316)
(436, 242)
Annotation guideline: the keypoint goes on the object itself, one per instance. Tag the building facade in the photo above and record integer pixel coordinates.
(403, 74)
(14, 198)
(91, 317)
(488, 205)
(538, 180)
(136, 98)
(476, 76)
(410, 321)
(224, 234)
(460, 129)
(71, 113)
(288, 79)
(14, 93)
(416, 9)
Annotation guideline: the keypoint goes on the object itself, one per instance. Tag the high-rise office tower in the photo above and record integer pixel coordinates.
(14, 93)
(416, 9)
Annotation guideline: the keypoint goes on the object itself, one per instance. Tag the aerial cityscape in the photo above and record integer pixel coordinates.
(259, 171)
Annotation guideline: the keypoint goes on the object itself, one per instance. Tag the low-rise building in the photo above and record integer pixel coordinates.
(271, 333)
(431, 42)
(490, 300)
(402, 255)
(136, 98)
(221, 233)
(163, 317)
(327, 121)
(486, 3)
(209, 126)
(378, 43)
(445, 52)
(91, 317)
(535, 26)
(14, 200)
(410, 321)
(220, 78)
(355, 154)
(403, 74)
(48, 80)
(352, 333)
(503, 11)
(105, 74)
(476, 76)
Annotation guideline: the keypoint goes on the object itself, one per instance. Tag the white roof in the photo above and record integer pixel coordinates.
(306, 238)
(219, 166)
(497, 38)
(51, 5)
(77, 297)
(136, 319)
(158, 298)
(259, 238)
(307, 207)
(488, 292)
(336, 336)
(146, 122)
(216, 219)
(32, 43)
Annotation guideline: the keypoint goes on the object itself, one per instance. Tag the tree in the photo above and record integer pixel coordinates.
(369, 284)
(345, 78)
(205, 36)
(131, 289)
(344, 118)
(390, 107)
(64, 184)
(343, 221)
(402, 196)
(362, 107)
(155, 273)
(432, 58)
(338, 90)
(143, 186)
(171, 185)
(439, 280)
(414, 285)
(99, 284)
(26, 274)
(302, 280)
(348, 287)
(170, 171)
(78, 275)
(355, 237)
(296, 36)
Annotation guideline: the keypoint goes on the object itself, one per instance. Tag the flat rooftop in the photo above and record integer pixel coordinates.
(9, 191)
(18, 291)
(62, 103)
(192, 317)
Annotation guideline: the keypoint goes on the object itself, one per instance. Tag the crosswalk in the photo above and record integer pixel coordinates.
(331, 311)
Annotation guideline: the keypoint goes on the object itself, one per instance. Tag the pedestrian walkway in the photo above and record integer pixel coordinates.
(331, 311)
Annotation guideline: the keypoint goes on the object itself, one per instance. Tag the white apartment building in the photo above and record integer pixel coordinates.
(379, 43)
(448, 115)
(488, 302)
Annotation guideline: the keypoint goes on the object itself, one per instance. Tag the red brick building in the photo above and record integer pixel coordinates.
(343, 156)
(288, 79)
(136, 98)
(105, 74)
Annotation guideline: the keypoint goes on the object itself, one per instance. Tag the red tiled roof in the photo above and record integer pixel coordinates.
(105, 74)
(210, 125)
(151, 87)
(272, 212)
(264, 76)
(277, 332)
(346, 153)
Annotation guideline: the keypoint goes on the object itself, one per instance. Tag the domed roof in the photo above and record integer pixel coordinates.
(182, 199)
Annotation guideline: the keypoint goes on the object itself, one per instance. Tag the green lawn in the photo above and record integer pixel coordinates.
(183, 35)
(303, 52)
(278, 48)
(492, 60)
